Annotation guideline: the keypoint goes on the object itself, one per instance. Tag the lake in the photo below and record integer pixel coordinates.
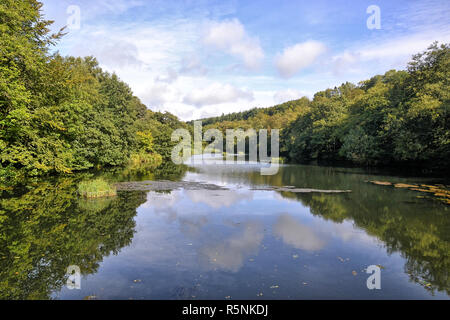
(242, 240)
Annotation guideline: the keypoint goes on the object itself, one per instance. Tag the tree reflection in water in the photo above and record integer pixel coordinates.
(45, 227)
(48, 228)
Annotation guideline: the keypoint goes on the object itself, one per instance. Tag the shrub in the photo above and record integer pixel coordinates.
(96, 188)
(146, 160)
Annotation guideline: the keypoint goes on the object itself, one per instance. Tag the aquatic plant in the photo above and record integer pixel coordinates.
(96, 188)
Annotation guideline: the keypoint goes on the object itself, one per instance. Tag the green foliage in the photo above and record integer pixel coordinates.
(45, 226)
(159, 126)
(399, 117)
(145, 141)
(48, 227)
(291, 107)
(277, 117)
(65, 114)
(96, 189)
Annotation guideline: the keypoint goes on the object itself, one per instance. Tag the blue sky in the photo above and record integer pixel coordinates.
(204, 58)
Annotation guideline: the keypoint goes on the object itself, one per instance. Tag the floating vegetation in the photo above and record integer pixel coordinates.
(342, 259)
(96, 189)
(382, 183)
(437, 192)
(403, 185)
(274, 287)
(164, 185)
(298, 190)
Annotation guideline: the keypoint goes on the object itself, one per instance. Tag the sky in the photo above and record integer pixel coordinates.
(200, 58)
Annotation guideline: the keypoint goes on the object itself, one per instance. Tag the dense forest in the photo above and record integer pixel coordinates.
(65, 114)
(257, 118)
(401, 117)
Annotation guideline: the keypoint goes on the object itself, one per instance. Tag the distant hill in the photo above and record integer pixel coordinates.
(281, 114)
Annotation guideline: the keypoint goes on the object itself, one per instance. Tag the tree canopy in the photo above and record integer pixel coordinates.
(398, 117)
(401, 117)
(65, 114)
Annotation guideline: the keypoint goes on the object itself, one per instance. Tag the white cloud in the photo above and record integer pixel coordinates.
(188, 111)
(230, 36)
(158, 46)
(230, 254)
(288, 95)
(90, 10)
(380, 55)
(297, 57)
(162, 55)
(118, 54)
(401, 48)
(344, 62)
(297, 235)
(116, 6)
(171, 76)
(158, 94)
(192, 65)
(218, 198)
(217, 93)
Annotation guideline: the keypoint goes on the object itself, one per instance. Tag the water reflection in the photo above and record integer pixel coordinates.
(297, 235)
(238, 242)
(48, 228)
(230, 253)
(219, 198)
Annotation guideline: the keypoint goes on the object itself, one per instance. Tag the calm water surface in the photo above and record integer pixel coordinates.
(238, 243)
